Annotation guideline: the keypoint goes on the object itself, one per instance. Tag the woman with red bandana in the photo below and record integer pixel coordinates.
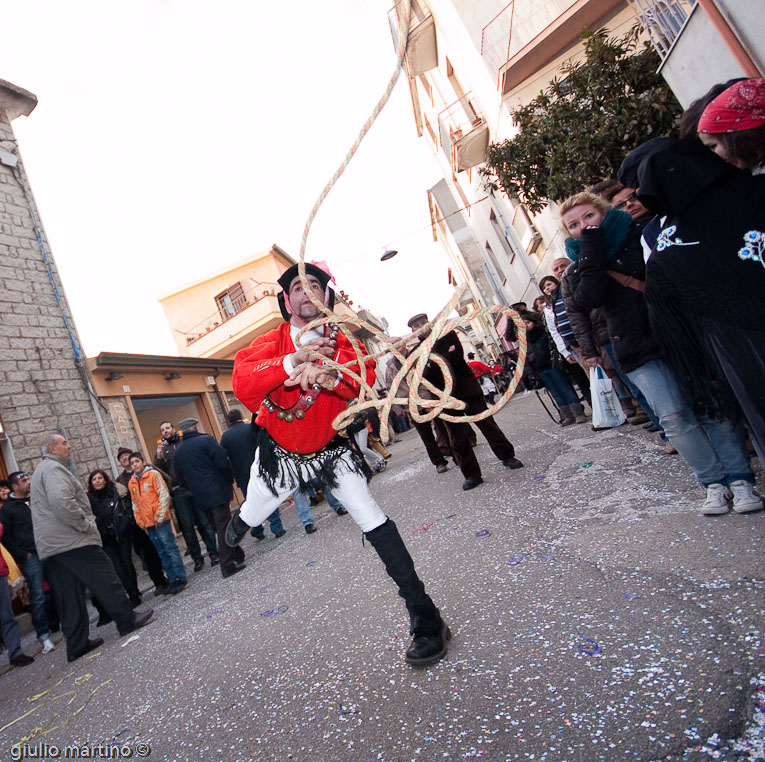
(733, 125)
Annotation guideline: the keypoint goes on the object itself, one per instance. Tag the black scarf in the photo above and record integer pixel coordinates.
(278, 467)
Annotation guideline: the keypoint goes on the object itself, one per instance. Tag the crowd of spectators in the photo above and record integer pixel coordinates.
(661, 286)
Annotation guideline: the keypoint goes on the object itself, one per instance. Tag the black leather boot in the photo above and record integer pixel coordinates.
(236, 530)
(431, 635)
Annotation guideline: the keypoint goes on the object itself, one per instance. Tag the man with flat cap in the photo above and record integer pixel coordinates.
(467, 389)
(203, 467)
(295, 398)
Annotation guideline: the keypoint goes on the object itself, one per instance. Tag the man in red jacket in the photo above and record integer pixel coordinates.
(295, 399)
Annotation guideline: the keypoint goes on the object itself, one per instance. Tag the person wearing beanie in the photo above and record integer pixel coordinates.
(295, 398)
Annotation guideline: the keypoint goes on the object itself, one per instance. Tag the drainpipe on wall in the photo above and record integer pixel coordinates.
(99, 420)
(219, 394)
(724, 29)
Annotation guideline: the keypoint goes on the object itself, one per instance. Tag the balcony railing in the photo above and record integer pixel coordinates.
(203, 327)
(464, 134)
(519, 22)
(422, 50)
(662, 20)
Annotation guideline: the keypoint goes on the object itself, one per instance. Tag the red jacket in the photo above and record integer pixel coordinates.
(259, 371)
(478, 368)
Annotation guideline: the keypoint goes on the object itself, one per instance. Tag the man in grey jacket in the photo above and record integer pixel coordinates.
(66, 536)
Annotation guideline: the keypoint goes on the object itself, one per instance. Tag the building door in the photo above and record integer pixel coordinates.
(152, 411)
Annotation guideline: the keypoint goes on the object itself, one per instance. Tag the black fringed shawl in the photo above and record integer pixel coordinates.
(707, 270)
(279, 467)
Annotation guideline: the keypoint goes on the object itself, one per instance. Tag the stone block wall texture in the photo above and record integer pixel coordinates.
(41, 388)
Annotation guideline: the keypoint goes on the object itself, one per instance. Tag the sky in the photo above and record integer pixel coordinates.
(175, 137)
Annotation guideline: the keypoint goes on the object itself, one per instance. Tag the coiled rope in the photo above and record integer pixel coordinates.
(412, 366)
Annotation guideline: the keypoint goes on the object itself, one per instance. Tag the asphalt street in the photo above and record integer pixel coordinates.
(595, 616)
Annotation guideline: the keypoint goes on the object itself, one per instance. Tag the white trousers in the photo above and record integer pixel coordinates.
(352, 491)
(362, 440)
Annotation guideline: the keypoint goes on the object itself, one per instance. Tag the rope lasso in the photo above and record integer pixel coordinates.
(412, 366)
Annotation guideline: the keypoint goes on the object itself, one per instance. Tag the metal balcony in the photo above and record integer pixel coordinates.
(422, 47)
(464, 134)
(662, 20)
(519, 22)
(527, 33)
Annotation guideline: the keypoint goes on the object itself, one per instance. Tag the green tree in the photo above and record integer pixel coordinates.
(577, 131)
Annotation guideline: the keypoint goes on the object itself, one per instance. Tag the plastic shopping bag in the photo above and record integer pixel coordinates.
(606, 409)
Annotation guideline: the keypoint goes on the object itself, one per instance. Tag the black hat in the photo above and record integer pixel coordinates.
(122, 451)
(628, 170)
(286, 278)
(416, 318)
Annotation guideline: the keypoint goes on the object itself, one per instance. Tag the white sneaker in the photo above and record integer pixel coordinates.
(48, 646)
(745, 497)
(717, 500)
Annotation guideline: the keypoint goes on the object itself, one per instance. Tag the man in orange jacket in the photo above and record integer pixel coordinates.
(295, 399)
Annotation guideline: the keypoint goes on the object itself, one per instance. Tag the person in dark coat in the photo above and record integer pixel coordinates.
(705, 297)
(19, 540)
(111, 505)
(239, 442)
(591, 330)
(467, 389)
(203, 467)
(188, 516)
(539, 363)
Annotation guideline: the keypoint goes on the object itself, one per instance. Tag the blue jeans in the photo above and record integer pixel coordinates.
(634, 391)
(558, 385)
(303, 507)
(162, 537)
(34, 572)
(715, 451)
(9, 627)
(274, 521)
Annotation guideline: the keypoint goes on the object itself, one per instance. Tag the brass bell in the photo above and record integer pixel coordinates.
(289, 417)
(281, 414)
(300, 414)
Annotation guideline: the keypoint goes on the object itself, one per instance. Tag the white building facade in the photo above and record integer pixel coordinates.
(469, 64)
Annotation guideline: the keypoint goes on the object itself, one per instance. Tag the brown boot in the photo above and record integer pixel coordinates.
(578, 412)
(567, 414)
(376, 445)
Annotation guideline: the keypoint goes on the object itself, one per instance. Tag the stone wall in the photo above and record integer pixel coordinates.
(41, 387)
